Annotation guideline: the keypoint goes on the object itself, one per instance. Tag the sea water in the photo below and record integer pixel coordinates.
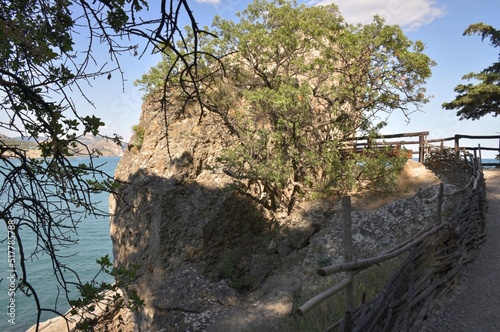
(93, 243)
(492, 161)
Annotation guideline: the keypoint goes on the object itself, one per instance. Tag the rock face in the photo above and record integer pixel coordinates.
(89, 144)
(208, 258)
(178, 222)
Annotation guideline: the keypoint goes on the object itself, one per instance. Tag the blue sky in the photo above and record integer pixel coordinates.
(439, 24)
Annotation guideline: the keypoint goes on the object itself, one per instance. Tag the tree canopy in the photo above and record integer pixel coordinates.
(482, 97)
(47, 52)
(297, 84)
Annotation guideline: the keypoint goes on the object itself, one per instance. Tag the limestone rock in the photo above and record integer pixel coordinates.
(209, 258)
(171, 211)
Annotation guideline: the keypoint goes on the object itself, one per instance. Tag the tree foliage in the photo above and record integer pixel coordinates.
(47, 53)
(475, 100)
(296, 84)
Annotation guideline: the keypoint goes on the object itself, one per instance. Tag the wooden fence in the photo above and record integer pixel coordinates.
(422, 144)
(436, 257)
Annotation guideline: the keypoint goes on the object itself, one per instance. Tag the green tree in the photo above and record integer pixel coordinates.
(296, 84)
(47, 50)
(475, 100)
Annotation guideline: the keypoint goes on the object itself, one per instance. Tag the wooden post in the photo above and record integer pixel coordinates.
(426, 147)
(421, 148)
(347, 322)
(439, 217)
(457, 146)
(480, 156)
(347, 241)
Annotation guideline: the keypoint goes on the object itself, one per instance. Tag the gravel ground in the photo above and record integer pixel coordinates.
(474, 306)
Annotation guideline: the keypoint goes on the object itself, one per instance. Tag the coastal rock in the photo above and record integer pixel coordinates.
(208, 258)
(121, 318)
(171, 211)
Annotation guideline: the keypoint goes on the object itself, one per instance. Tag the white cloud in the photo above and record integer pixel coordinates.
(409, 14)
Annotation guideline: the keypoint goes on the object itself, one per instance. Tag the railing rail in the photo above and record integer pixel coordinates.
(423, 144)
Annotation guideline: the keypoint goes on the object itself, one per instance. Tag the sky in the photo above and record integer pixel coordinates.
(439, 24)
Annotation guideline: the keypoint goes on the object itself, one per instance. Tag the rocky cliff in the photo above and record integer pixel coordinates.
(176, 219)
(208, 258)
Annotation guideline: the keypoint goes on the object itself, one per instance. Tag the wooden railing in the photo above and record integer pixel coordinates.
(394, 140)
(435, 261)
(423, 144)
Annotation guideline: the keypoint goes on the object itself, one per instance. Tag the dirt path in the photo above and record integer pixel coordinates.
(474, 306)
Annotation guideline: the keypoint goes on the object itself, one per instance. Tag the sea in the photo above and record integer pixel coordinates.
(492, 161)
(94, 242)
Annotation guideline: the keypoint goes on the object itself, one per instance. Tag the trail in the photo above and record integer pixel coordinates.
(474, 306)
